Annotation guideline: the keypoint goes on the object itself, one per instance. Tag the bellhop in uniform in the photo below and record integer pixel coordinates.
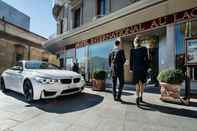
(139, 65)
(116, 62)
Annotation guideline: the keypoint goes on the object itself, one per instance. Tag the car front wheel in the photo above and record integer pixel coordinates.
(28, 91)
(3, 85)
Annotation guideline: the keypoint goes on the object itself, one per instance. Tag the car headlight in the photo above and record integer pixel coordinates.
(44, 80)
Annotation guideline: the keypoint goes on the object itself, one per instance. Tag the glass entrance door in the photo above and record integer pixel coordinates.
(69, 63)
(81, 57)
(153, 54)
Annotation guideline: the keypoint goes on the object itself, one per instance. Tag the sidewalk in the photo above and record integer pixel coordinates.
(95, 111)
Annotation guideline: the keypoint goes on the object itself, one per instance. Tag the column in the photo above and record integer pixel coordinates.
(87, 66)
(171, 46)
(28, 52)
(66, 16)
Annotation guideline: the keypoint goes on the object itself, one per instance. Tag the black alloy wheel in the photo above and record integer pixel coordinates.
(3, 89)
(28, 91)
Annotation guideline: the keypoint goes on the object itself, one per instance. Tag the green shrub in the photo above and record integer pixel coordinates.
(171, 76)
(100, 75)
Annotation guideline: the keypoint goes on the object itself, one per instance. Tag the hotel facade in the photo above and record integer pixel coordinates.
(87, 30)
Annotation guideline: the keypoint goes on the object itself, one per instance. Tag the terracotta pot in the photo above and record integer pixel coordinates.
(170, 92)
(98, 85)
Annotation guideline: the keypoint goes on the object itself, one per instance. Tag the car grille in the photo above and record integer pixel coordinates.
(66, 81)
(49, 93)
(70, 90)
(76, 80)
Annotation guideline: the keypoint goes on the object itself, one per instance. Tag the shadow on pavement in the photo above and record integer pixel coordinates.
(127, 103)
(108, 90)
(148, 89)
(63, 104)
(169, 110)
(130, 87)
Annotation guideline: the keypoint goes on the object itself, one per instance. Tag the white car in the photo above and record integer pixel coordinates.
(37, 79)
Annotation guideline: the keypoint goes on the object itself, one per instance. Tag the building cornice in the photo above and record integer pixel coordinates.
(16, 33)
(57, 6)
(134, 14)
(98, 22)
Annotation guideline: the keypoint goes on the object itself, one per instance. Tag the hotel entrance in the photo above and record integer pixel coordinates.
(155, 42)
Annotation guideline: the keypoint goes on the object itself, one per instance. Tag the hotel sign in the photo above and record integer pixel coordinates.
(148, 25)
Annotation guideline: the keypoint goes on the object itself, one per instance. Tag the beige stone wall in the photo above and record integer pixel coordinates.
(53, 59)
(35, 54)
(7, 55)
(39, 54)
(9, 49)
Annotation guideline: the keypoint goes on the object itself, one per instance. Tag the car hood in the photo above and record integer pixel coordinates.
(55, 73)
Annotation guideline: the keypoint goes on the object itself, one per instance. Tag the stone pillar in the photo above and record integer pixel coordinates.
(171, 46)
(28, 52)
(66, 16)
(127, 44)
(87, 64)
(69, 16)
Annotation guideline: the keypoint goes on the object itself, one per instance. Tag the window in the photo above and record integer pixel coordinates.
(61, 62)
(181, 30)
(76, 18)
(101, 7)
(97, 60)
(39, 65)
(69, 63)
(61, 26)
(70, 55)
(19, 56)
(81, 57)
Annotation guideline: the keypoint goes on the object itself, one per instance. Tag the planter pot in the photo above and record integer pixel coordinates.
(170, 92)
(98, 85)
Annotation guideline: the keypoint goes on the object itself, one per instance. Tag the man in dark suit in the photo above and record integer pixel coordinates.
(116, 62)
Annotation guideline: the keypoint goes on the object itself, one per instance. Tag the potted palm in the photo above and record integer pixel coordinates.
(99, 80)
(170, 83)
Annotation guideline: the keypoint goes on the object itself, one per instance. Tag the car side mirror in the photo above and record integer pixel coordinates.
(17, 68)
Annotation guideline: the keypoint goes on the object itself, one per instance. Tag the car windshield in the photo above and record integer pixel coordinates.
(39, 65)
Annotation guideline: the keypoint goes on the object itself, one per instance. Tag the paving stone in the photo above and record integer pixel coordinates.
(7, 124)
(79, 128)
(95, 111)
(39, 124)
(111, 124)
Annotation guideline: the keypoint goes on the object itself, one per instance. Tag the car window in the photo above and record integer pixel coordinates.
(39, 65)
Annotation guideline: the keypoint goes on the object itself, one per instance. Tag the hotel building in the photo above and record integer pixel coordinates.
(87, 30)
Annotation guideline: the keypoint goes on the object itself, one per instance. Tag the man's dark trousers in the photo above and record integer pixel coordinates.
(119, 75)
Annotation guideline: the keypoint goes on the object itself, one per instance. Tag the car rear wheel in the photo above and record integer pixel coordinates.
(3, 85)
(28, 91)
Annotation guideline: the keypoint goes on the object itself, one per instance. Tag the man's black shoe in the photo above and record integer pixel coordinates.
(137, 101)
(119, 99)
(115, 99)
(141, 100)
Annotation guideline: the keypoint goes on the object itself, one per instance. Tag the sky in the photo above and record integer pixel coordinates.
(40, 12)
